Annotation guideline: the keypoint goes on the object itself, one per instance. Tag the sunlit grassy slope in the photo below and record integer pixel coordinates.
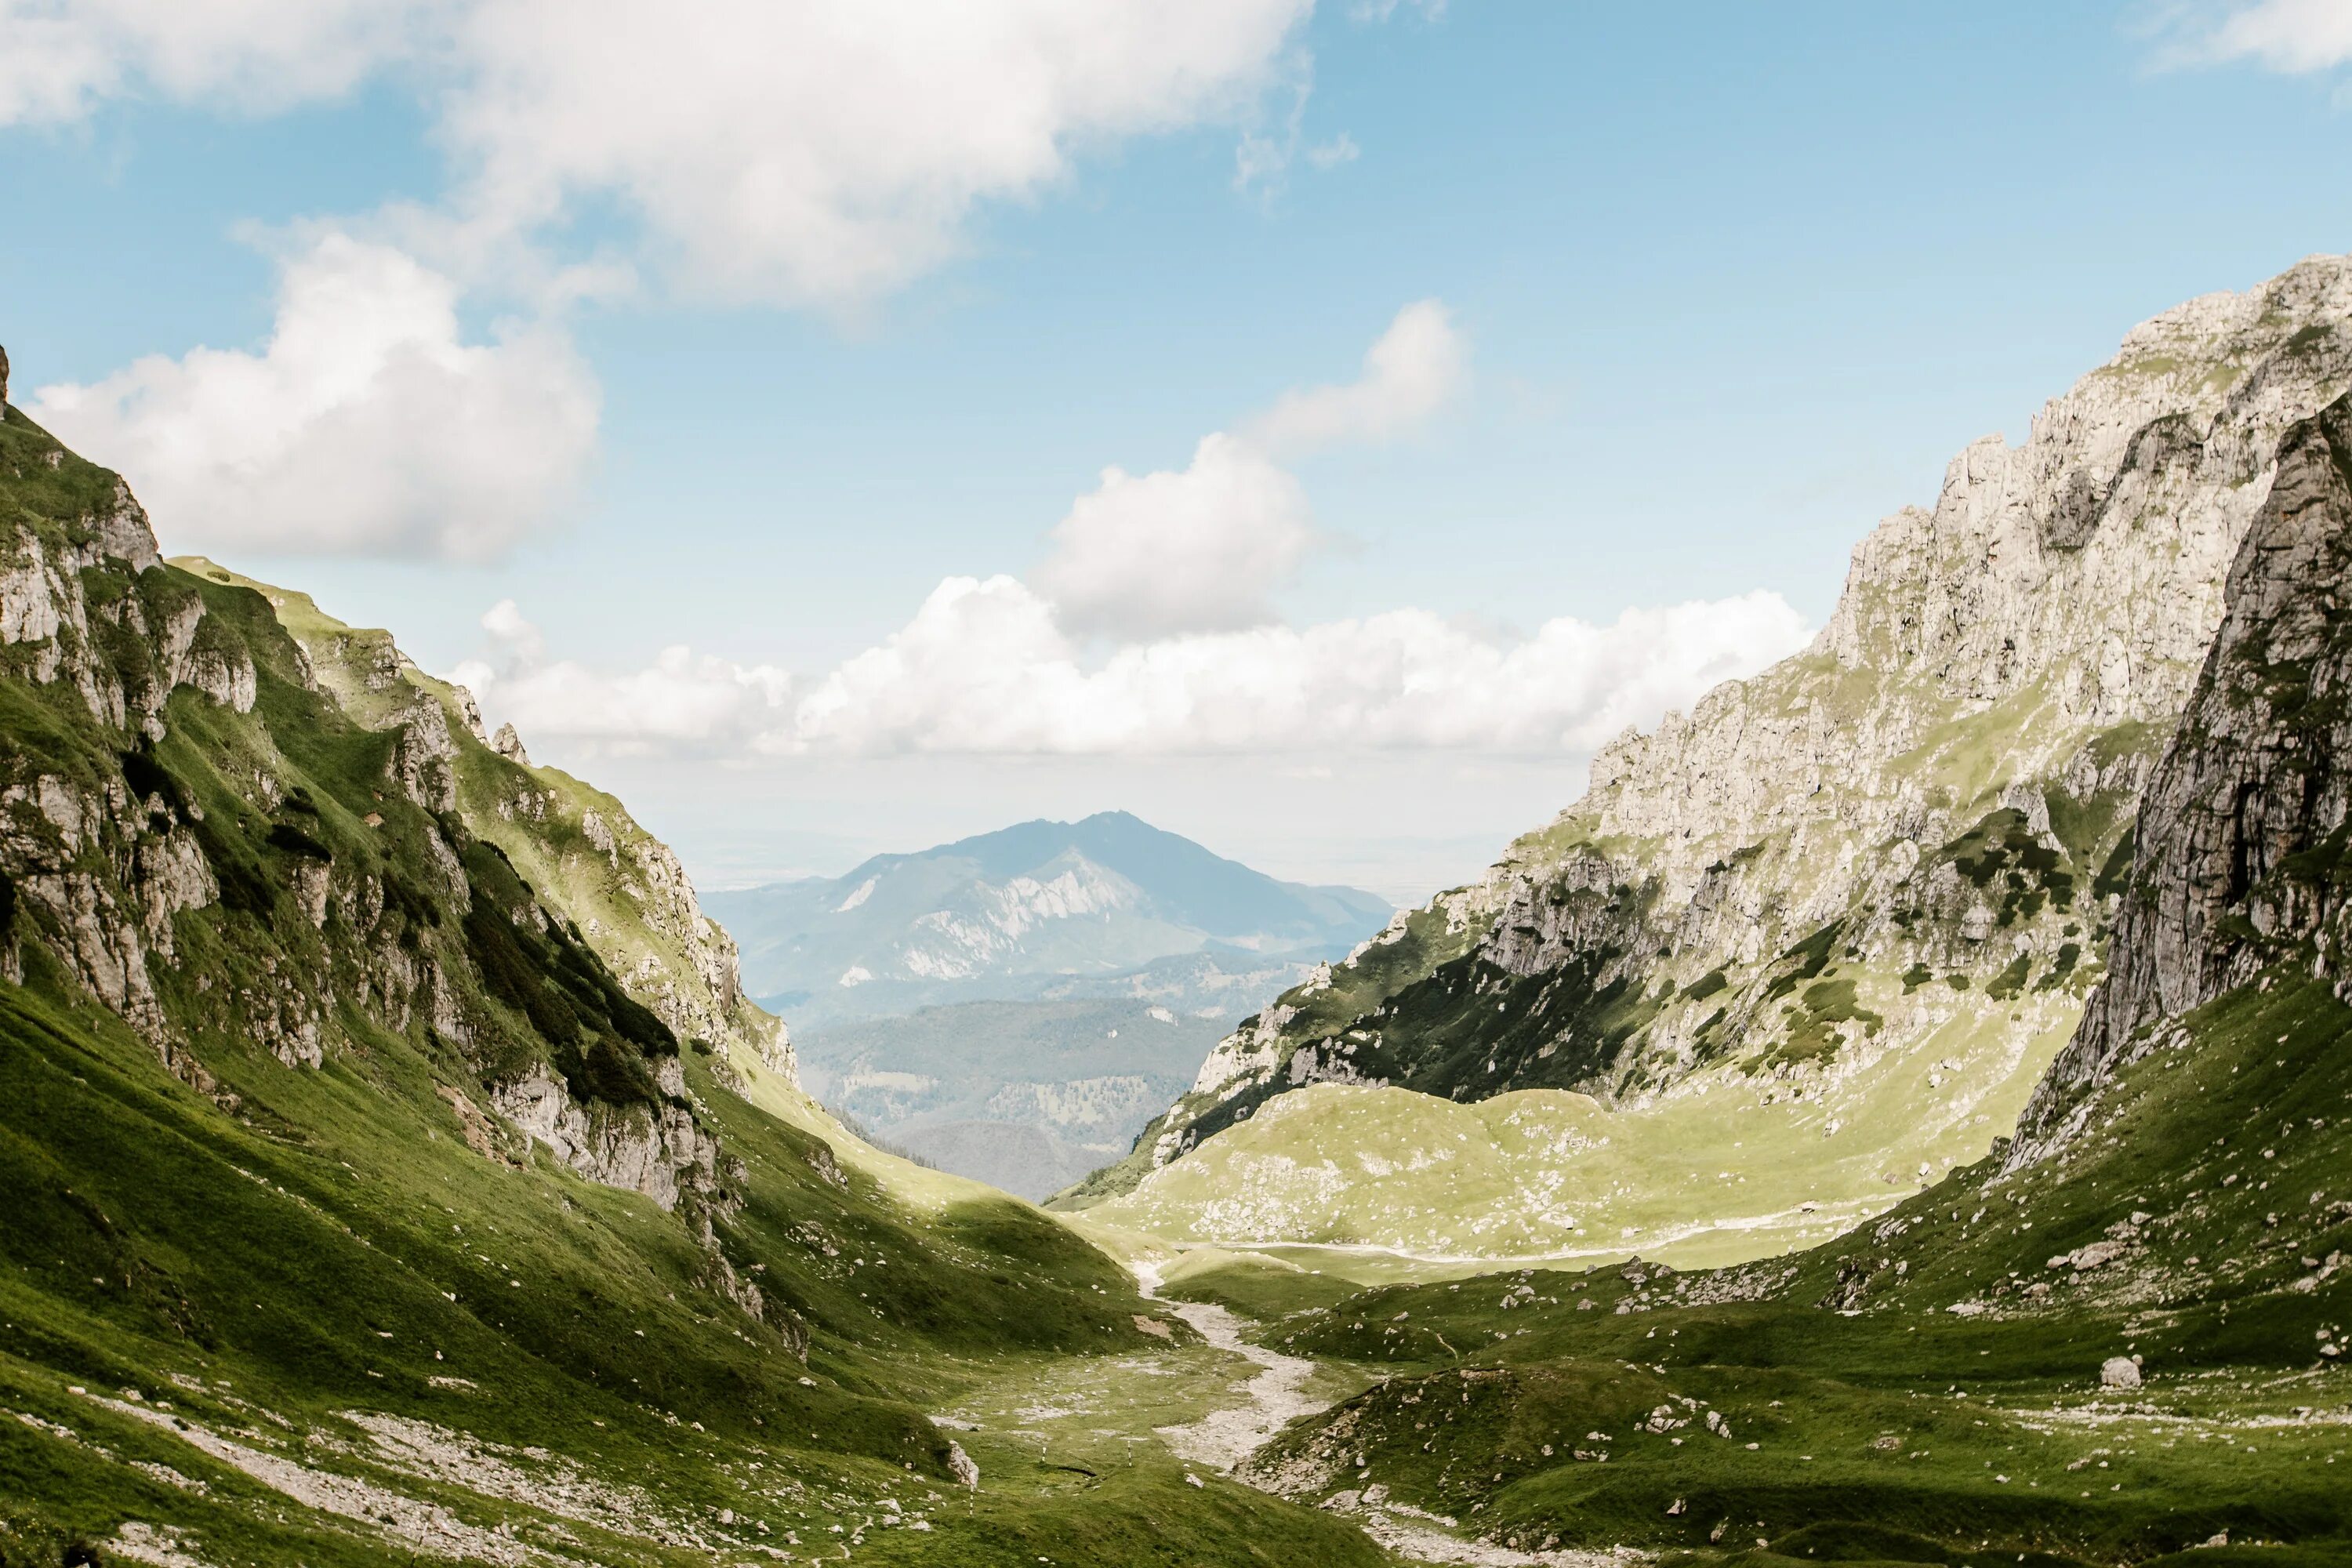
(1928, 1388)
(276, 1288)
(1722, 1167)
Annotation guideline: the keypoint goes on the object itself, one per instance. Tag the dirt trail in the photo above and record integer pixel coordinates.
(1223, 1438)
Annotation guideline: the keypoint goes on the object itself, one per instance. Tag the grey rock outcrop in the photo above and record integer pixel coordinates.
(1939, 784)
(661, 1152)
(2241, 832)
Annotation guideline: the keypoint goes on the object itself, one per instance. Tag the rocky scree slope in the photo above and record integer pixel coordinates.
(1909, 840)
(392, 1166)
(2123, 1337)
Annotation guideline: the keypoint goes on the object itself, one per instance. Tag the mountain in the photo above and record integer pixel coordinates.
(2118, 1339)
(1025, 1096)
(1108, 906)
(1852, 906)
(395, 1171)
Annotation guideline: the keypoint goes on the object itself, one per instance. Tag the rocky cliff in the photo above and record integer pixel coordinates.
(2243, 830)
(1912, 838)
(243, 826)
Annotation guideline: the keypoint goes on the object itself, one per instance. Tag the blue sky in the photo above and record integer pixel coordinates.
(1722, 284)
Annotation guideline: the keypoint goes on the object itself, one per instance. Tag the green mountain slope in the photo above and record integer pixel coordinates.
(393, 1169)
(2122, 1336)
(1873, 885)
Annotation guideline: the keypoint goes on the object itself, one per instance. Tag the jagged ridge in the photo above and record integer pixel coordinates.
(1796, 881)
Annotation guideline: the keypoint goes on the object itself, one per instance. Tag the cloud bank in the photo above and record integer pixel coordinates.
(1148, 630)
(984, 667)
(681, 703)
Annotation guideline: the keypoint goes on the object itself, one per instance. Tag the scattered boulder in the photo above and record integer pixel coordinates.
(961, 1466)
(2119, 1372)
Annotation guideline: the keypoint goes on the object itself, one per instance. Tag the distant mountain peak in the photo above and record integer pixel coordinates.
(1005, 914)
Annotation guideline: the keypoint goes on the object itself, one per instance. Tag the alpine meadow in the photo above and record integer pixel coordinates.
(1423, 984)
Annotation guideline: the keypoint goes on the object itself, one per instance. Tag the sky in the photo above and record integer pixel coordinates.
(843, 425)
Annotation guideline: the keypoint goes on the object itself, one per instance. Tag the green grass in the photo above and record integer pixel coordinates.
(1871, 1403)
(277, 1260)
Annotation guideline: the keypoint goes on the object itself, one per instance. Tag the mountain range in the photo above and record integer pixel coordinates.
(1106, 906)
(1898, 1116)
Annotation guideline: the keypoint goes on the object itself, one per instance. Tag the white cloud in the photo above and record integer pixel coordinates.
(1341, 149)
(834, 148)
(2282, 34)
(2292, 35)
(1202, 548)
(59, 57)
(984, 668)
(1195, 548)
(681, 702)
(810, 150)
(367, 426)
(1415, 368)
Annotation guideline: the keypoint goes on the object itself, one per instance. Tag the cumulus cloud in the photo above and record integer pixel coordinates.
(1202, 548)
(368, 425)
(1414, 368)
(1192, 549)
(819, 150)
(681, 702)
(825, 151)
(984, 667)
(2291, 35)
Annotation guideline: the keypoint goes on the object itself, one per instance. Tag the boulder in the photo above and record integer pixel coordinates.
(2119, 1372)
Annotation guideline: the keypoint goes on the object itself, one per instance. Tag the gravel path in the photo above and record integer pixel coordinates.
(1223, 1438)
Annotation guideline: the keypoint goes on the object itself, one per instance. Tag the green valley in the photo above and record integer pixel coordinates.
(1903, 1115)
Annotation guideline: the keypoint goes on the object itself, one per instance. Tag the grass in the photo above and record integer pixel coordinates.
(1730, 1164)
(1870, 1402)
(247, 1302)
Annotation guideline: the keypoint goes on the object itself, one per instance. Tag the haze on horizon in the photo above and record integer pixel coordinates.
(1313, 429)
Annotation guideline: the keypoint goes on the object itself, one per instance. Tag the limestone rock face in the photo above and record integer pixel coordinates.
(1796, 878)
(103, 874)
(253, 832)
(588, 861)
(2241, 832)
(661, 1152)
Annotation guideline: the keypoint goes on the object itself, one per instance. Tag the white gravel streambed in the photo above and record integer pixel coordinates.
(1221, 1439)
